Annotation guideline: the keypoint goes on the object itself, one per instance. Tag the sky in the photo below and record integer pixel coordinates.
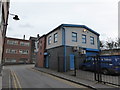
(42, 16)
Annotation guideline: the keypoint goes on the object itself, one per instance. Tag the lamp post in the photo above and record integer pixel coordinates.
(15, 16)
(4, 35)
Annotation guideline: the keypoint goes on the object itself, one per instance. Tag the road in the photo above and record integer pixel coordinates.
(23, 76)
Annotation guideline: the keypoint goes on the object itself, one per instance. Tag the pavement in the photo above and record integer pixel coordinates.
(87, 83)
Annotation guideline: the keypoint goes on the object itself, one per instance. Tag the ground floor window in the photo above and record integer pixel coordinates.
(8, 60)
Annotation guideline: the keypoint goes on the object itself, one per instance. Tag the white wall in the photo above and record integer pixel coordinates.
(58, 43)
(79, 31)
(119, 19)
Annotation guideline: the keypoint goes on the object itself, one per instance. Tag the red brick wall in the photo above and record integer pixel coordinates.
(17, 56)
(40, 54)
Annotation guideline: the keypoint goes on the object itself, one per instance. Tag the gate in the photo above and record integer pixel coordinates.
(46, 62)
(106, 69)
(72, 62)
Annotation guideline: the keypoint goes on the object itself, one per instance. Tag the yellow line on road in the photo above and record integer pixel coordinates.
(16, 81)
(19, 85)
(65, 81)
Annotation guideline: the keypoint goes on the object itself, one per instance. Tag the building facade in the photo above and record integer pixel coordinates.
(68, 41)
(41, 51)
(4, 10)
(33, 48)
(118, 19)
(16, 51)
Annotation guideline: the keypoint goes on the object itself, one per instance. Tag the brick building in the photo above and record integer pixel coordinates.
(16, 51)
(33, 53)
(41, 51)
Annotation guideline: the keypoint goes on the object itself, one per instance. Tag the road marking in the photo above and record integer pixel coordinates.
(15, 80)
(65, 81)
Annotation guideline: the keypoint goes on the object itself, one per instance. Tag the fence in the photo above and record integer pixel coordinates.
(104, 69)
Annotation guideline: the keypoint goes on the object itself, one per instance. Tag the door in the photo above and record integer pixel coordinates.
(72, 66)
(46, 62)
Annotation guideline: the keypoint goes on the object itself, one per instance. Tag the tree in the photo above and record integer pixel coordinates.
(118, 42)
(110, 44)
(101, 45)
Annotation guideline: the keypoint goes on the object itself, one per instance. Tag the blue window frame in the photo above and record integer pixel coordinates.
(55, 37)
(91, 40)
(83, 38)
(74, 37)
(49, 40)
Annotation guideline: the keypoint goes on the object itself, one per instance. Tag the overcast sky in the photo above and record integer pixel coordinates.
(42, 16)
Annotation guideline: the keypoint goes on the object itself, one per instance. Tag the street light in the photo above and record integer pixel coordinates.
(15, 16)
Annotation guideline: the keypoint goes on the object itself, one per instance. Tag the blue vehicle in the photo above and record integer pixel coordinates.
(106, 64)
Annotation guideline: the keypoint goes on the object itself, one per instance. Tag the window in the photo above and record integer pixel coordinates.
(12, 51)
(55, 37)
(40, 47)
(12, 42)
(83, 38)
(8, 60)
(74, 37)
(23, 51)
(91, 40)
(49, 40)
(24, 44)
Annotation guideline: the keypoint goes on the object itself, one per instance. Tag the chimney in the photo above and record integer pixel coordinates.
(24, 37)
(38, 36)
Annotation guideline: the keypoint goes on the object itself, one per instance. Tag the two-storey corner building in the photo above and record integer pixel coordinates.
(67, 41)
(16, 51)
(41, 51)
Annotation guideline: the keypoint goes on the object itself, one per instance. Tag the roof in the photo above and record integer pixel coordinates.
(74, 25)
(33, 38)
(16, 39)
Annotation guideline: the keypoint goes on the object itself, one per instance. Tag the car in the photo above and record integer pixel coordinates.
(103, 65)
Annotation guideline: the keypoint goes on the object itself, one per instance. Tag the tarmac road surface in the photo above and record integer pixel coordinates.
(23, 76)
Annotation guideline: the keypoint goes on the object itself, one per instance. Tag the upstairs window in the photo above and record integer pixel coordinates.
(74, 37)
(23, 51)
(55, 37)
(24, 44)
(49, 40)
(12, 42)
(91, 40)
(83, 38)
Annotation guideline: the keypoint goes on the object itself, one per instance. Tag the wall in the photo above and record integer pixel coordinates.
(3, 20)
(53, 56)
(17, 56)
(1, 45)
(79, 31)
(41, 50)
(59, 43)
(119, 19)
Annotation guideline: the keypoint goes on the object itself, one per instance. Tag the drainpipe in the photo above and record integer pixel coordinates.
(64, 44)
(98, 41)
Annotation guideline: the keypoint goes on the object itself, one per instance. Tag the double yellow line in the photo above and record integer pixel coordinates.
(16, 83)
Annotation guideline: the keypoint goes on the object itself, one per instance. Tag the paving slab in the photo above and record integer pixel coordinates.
(87, 83)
